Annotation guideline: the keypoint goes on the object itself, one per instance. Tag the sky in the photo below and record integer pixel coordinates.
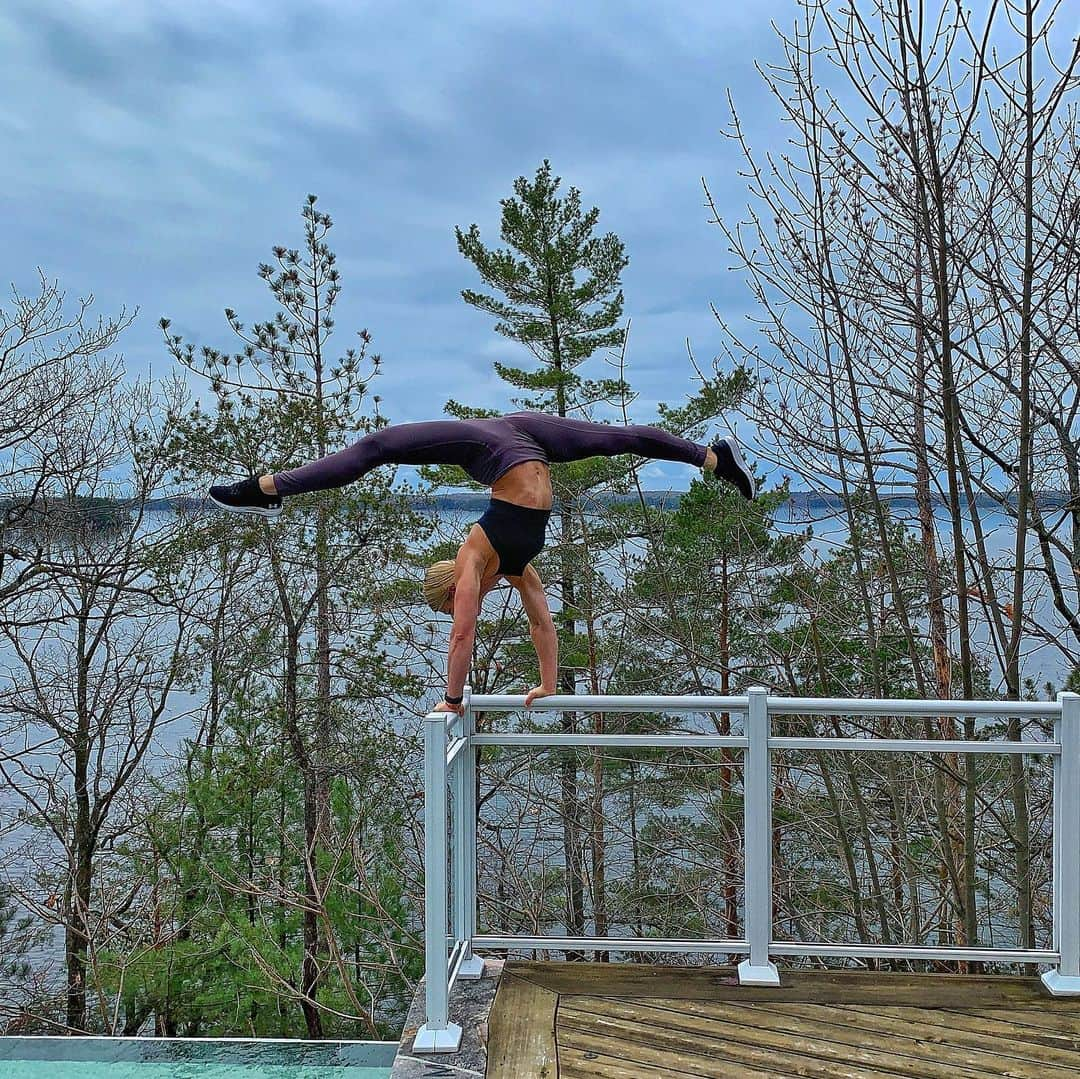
(152, 153)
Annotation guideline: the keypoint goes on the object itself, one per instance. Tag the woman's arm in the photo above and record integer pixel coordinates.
(542, 630)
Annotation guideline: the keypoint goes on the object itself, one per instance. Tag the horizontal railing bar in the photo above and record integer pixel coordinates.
(612, 944)
(888, 951)
(868, 745)
(639, 741)
(872, 706)
(561, 702)
(499, 702)
(741, 947)
(914, 745)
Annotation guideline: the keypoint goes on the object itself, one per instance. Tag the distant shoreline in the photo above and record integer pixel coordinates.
(800, 503)
(799, 500)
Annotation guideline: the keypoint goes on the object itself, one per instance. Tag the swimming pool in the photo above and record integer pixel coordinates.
(192, 1058)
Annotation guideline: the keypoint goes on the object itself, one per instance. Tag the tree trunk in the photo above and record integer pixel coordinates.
(729, 883)
(571, 808)
(319, 838)
(1023, 496)
(76, 936)
(635, 849)
(964, 848)
(309, 974)
(932, 217)
(597, 840)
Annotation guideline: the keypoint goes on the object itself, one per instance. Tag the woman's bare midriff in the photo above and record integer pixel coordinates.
(527, 484)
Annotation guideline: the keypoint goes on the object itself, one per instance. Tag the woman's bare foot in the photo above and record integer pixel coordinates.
(266, 485)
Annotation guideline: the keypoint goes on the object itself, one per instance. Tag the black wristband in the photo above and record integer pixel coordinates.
(452, 700)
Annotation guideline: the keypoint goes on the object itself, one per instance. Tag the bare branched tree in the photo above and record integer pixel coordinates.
(51, 366)
(92, 647)
(912, 261)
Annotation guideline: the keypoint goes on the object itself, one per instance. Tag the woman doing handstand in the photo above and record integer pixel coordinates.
(510, 454)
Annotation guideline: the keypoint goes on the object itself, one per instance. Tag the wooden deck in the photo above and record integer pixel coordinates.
(623, 1021)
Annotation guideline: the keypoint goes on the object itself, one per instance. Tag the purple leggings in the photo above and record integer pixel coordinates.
(486, 449)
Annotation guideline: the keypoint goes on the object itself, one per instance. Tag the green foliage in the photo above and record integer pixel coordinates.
(223, 852)
(561, 288)
(829, 647)
(709, 577)
(75, 514)
(297, 657)
(17, 936)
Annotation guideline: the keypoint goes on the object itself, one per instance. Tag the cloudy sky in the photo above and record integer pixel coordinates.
(153, 153)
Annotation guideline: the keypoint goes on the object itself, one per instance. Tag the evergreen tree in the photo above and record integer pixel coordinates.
(704, 597)
(17, 936)
(561, 288)
(562, 301)
(283, 399)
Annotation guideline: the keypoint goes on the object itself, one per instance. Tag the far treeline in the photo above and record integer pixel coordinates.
(104, 510)
(211, 806)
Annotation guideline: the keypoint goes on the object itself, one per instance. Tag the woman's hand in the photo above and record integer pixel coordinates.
(536, 694)
(443, 706)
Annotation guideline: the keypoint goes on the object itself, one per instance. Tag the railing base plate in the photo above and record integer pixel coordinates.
(1061, 985)
(763, 975)
(447, 1040)
(471, 969)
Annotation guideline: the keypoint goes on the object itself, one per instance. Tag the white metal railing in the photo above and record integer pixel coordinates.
(449, 761)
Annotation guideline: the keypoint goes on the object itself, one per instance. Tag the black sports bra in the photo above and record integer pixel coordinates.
(516, 533)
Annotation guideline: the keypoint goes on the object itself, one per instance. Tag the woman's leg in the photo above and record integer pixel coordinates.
(334, 470)
(434, 442)
(570, 440)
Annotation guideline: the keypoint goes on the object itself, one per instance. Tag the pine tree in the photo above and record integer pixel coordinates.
(282, 400)
(562, 301)
(17, 935)
(561, 283)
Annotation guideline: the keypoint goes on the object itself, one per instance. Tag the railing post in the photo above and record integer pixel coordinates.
(438, 1034)
(757, 969)
(1065, 980)
(471, 966)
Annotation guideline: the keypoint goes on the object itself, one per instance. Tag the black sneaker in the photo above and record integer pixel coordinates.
(730, 466)
(246, 497)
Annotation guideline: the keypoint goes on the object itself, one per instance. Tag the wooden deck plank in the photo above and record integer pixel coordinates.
(809, 987)
(937, 1054)
(623, 979)
(956, 1028)
(582, 1064)
(521, 1031)
(1051, 1017)
(638, 1026)
(577, 1062)
(1066, 1019)
(593, 1020)
(678, 1060)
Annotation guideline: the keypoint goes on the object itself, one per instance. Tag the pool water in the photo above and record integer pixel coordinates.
(45, 1057)
(87, 1069)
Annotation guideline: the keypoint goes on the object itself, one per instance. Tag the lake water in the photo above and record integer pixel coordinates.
(1041, 664)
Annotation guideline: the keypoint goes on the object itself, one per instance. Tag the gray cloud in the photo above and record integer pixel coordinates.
(153, 153)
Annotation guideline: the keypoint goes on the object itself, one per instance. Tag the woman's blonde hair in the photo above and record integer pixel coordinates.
(438, 581)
